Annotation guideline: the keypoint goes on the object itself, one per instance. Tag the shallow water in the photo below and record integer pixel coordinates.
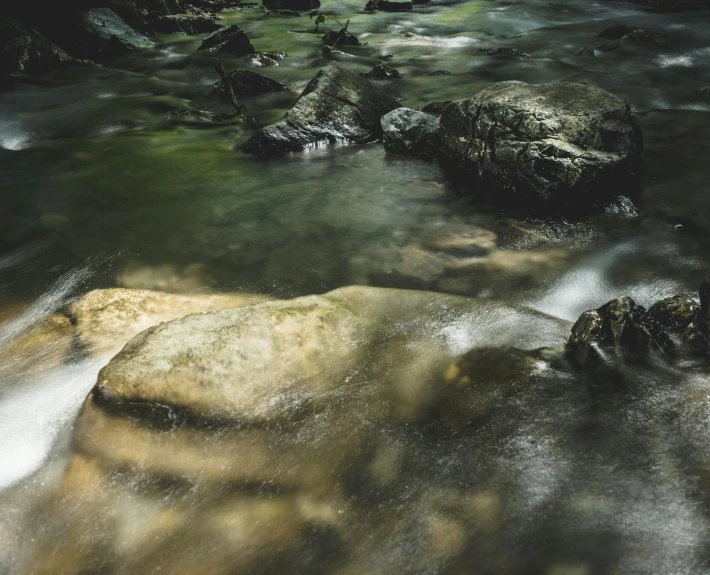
(100, 189)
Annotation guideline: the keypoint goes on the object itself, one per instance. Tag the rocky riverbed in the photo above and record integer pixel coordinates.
(379, 287)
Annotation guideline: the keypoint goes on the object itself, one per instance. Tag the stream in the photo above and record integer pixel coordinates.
(101, 189)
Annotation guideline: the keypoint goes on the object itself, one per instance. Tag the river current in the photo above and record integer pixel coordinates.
(101, 189)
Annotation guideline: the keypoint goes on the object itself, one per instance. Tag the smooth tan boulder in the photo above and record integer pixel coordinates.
(107, 318)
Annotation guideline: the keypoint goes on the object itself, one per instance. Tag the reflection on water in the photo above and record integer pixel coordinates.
(564, 474)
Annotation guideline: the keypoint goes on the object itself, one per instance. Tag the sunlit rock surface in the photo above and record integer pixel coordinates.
(104, 318)
(273, 425)
(563, 143)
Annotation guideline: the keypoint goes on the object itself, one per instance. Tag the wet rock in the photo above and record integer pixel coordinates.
(201, 118)
(340, 38)
(586, 51)
(275, 55)
(440, 73)
(563, 144)
(300, 5)
(228, 40)
(620, 327)
(186, 24)
(677, 314)
(704, 315)
(408, 131)
(27, 51)
(459, 240)
(44, 346)
(617, 32)
(387, 6)
(104, 34)
(383, 72)
(258, 60)
(436, 107)
(247, 83)
(639, 35)
(509, 53)
(106, 319)
(337, 105)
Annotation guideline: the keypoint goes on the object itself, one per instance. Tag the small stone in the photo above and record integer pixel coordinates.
(586, 51)
(509, 53)
(383, 72)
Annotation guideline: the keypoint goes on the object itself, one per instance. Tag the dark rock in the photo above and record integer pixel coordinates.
(616, 32)
(568, 143)
(509, 53)
(201, 118)
(639, 35)
(337, 105)
(436, 107)
(228, 40)
(678, 315)
(408, 131)
(292, 13)
(704, 315)
(300, 5)
(104, 33)
(387, 6)
(383, 72)
(258, 60)
(23, 50)
(586, 51)
(440, 73)
(275, 55)
(248, 83)
(185, 24)
(674, 5)
(340, 38)
(622, 207)
(618, 327)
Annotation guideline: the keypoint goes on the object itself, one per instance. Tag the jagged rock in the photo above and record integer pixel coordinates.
(23, 50)
(409, 131)
(509, 53)
(616, 32)
(387, 6)
(337, 105)
(258, 60)
(383, 72)
(620, 327)
(436, 107)
(104, 33)
(586, 51)
(340, 38)
(704, 315)
(105, 319)
(186, 24)
(299, 5)
(275, 55)
(248, 83)
(678, 315)
(570, 144)
(228, 40)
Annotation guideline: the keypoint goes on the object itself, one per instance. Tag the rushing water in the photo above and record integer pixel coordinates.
(100, 189)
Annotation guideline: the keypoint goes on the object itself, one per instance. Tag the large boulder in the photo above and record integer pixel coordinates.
(561, 143)
(678, 315)
(102, 33)
(246, 432)
(338, 105)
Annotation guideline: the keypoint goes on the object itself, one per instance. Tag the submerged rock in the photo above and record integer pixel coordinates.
(228, 40)
(337, 105)
(186, 24)
(248, 83)
(562, 143)
(383, 72)
(617, 32)
(341, 37)
(302, 5)
(620, 327)
(509, 53)
(104, 33)
(409, 131)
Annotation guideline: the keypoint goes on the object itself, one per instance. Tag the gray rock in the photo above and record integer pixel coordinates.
(409, 131)
(228, 40)
(566, 143)
(436, 107)
(104, 33)
(23, 50)
(338, 105)
(248, 83)
(619, 327)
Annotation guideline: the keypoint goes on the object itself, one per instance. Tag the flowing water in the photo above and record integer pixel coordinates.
(101, 189)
